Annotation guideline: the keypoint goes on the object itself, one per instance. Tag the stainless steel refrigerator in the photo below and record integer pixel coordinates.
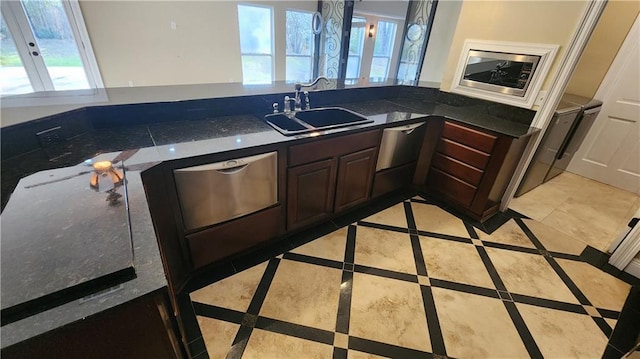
(570, 124)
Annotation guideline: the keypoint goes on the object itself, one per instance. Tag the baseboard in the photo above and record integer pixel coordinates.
(634, 268)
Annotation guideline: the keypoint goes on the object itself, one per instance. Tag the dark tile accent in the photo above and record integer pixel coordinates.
(626, 333)
(311, 234)
(313, 260)
(411, 222)
(384, 227)
(344, 303)
(624, 276)
(532, 237)
(188, 318)
(386, 350)
(522, 329)
(594, 257)
(211, 275)
(339, 353)
(249, 320)
(603, 325)
(607, 313)
(295, 330)
(261, 254)
(559, 255)
(510, 247)
(424, 200)
(263, 287)
(376, 206)
(348, 267)
(215, 312)
(472, 231)
(612, 353)
(505, 296)
(435, 332)
(421, 268)
(239, 343)
(548, 303)
(386, 273)
(445, 236)
(568, 282)
(493, 273)
(350, 250)
(197, 347)
(203, 355)
(466, 288)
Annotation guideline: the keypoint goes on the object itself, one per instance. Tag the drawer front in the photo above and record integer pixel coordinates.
(451, 187)
(458, 169)
(470, 137)
(333, 147)
(468, 155)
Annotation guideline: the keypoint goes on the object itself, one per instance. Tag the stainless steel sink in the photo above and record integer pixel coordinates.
(317, 119)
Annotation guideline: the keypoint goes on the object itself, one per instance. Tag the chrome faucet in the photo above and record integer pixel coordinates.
(297, 104)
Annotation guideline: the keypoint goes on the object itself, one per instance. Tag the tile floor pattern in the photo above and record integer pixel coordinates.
(415, 281)
(581, 208)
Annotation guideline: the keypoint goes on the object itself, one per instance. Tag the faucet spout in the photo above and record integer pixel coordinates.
(298, 87)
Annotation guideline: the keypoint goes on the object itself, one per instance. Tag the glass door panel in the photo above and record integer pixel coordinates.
(52, 31)
(13, 76)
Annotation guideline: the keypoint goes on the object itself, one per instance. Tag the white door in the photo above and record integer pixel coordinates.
(610, 152)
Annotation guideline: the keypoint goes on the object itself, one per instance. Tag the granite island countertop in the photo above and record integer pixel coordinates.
(156, 142)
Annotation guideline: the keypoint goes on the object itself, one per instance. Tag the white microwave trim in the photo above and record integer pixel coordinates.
(546, 52)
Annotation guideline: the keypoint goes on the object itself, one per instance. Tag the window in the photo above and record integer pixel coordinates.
(256, 43)
(356, 43)
(300, 46)
(39, 48)
(382, 51)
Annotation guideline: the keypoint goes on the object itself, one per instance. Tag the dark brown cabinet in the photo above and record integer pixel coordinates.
(329, 176)
(470, 167)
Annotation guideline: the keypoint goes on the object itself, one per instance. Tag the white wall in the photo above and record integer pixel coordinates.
(133, 40)
(444, 27)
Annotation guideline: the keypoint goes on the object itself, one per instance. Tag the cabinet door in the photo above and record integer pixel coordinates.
(310, 190)
(355, 175)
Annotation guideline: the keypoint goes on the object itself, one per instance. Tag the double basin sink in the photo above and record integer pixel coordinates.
(317, 119)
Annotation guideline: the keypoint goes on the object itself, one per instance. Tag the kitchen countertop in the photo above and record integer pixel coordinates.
(167, 141)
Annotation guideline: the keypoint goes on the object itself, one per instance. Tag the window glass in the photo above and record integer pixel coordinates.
(299, 46)
(382, 51)
(13, 77)
(256, 46)
(356, 42)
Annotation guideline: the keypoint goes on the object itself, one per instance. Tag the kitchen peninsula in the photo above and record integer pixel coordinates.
(147, 133)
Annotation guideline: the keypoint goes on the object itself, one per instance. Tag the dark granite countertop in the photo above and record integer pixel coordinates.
(153, 143)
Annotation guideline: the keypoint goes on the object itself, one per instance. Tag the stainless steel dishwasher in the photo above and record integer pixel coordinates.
(400, 145)
(217, 192)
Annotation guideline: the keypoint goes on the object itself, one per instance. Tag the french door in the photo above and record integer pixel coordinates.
(44, 47)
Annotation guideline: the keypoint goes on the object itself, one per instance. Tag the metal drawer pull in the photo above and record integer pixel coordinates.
(234, 170)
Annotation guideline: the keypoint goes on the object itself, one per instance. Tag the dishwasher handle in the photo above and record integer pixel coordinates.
(226, 167)
(233, 170)
(406, 129)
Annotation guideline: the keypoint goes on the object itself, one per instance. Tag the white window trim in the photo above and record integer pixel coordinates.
(82, 96)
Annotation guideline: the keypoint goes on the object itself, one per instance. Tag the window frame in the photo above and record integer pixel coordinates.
(271, 51)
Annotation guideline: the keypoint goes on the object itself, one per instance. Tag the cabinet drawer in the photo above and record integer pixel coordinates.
(467, 136)
(457, 169)
(451, 187)
(333, 147)
(463, 153)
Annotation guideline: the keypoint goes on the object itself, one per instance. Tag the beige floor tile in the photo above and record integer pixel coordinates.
(561, 334)
(539, 202)
(263, 344)
(331, 246)
(474, 326)
(392, 216)
(234, 292)
(508, 233)
(554, 240)
(304, 294)
(431, 218)
(529, 274)
(455, 262)
(612, 322)
(353, 354)
(388, 311)
(602, 289)
(584, 229)
(384, 249)
(218, 336)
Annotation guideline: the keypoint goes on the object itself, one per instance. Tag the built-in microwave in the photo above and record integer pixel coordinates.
(506, 72)
(499, 72)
